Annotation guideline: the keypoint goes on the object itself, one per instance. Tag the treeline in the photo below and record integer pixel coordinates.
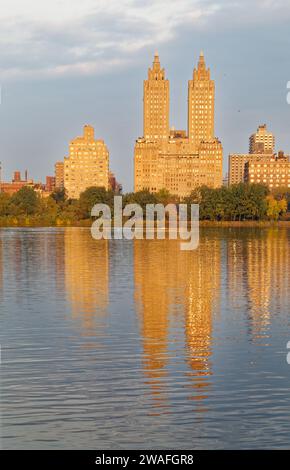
(237, 203)
(241, 202)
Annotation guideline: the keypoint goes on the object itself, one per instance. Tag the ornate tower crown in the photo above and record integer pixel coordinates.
(156, 103)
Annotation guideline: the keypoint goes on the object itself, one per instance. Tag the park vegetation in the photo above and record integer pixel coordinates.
(241, 202)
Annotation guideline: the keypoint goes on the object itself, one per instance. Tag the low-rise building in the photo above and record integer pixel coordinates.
(16, 183)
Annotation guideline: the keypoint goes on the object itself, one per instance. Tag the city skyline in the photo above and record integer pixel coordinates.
(51, 95)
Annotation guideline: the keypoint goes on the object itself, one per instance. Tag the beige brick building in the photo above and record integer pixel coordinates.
(173, 159)
(237, 165)
(262, 141)
(201, 92)
(275, 173)
(261, 165)
(156, 103)
(87, 164)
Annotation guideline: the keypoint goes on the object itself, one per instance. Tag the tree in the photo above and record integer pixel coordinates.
(238, 202)
(140, 197)
(275, 208)
(4, 204)
(247, 201)
(59, 195)
(282, 193)
(165, 197)
(50, 210)
(90, 197)
(24, 202)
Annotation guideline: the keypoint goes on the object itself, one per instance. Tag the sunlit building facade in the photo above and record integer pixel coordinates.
(261, 164)
(238, 162)
(16, 183)
(176, 160)
(262, 141)
(274, 173)
(59, 175)
(87, 164)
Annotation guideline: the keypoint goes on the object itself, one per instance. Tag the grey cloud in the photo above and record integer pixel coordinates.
(107, 37)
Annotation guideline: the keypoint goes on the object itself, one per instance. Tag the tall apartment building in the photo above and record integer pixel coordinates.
(87, 164)
(59, 175)
(201, 92)
(174, 159)
(275, 172)
(262, 141)
(156, 103)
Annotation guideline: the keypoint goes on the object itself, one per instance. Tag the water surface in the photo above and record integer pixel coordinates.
(136, 344)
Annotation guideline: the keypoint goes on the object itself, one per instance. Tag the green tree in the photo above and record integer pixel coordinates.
(24, 202)
(140, 197)
(59, 195)
(4, 204)
(165, 197)
(247, 201)
(90, 197)
(238, 202)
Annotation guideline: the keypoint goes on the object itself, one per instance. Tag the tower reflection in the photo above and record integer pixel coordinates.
(201, 302)
(168, 280)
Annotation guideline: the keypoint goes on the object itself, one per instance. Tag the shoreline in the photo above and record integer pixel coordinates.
(202, 223)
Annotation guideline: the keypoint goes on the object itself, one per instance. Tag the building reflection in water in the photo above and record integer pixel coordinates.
(258, 271)
(165, 277)
(268, 277)
(86, 277)
(201, 303)
(1, 269)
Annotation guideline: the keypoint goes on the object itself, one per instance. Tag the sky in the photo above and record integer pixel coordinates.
(66, 63)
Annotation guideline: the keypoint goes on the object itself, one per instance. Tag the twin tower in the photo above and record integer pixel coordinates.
(177, 160)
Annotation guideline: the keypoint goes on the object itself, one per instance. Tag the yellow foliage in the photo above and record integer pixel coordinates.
(275, 208)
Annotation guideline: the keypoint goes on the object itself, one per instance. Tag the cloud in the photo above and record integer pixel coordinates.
(100, 36)
(64, 37)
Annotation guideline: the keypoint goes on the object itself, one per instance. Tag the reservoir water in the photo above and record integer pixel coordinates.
(136, 344)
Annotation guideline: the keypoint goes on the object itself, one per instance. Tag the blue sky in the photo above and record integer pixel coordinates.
(67, 63)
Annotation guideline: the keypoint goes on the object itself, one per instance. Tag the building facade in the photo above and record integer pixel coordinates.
(87, 164)
(156, 103)
(50, 184)
(262, 141)
(16, 183)
(59, 175)
(114, 185)
(173, 159)
(261, 165)
(275, 173)
(201, 91)
(238, 161)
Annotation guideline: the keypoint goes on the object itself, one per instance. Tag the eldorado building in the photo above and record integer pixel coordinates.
(171, 159)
